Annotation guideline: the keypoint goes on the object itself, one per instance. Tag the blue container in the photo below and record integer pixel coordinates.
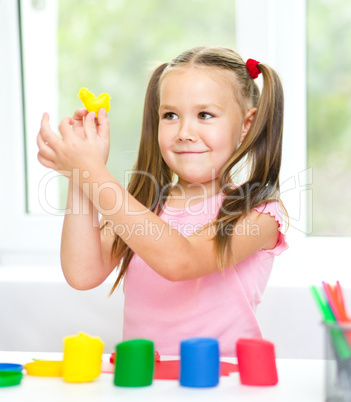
(199, 362)
(10, 367)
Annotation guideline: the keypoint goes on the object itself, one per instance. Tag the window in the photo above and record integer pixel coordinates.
(54, 48)
(328, 108)
(62, 52)
(23, 236)
(110, 47)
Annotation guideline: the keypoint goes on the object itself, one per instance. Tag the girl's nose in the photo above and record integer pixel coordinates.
(186, 133)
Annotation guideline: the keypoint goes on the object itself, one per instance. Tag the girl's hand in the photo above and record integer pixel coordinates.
(82, 146)
(101, 122)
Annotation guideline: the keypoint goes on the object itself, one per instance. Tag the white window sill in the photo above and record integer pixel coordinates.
(43, 274)
(308, 261)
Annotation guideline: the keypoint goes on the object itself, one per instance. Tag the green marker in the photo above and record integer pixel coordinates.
(339, 341)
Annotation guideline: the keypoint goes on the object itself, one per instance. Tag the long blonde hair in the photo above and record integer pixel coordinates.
(261, 148)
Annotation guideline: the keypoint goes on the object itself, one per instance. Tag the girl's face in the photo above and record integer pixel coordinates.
(201, 124)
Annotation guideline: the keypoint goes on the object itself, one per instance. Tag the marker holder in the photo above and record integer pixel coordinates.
(338, 362)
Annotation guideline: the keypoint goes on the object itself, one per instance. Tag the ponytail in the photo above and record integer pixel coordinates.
(262, 148)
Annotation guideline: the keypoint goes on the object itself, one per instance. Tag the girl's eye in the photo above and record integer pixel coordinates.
(205, 116)
(170, 116)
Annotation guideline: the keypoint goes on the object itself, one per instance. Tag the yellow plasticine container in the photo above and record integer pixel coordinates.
(82, 355)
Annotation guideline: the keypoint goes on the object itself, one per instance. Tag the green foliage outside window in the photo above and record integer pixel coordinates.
(113, 45)
(328, 114)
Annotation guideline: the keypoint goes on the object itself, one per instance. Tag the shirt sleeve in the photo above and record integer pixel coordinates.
(275, 209)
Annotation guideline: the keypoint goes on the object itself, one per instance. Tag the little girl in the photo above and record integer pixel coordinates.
(194, 249)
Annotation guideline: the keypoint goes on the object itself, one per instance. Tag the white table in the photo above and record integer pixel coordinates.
(299, 380)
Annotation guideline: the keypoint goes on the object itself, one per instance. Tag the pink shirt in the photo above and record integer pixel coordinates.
(217, 305)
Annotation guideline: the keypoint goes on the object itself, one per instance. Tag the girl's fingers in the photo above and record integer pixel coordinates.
(79, 114)
(46, 162)
(47, 134)
(90, 126)
(65, 127)
(45, 128)
(44, 148)
(103, 125)
(78, 117)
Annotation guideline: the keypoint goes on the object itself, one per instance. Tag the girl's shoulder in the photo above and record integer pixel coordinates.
(277, 211)
(273, 208)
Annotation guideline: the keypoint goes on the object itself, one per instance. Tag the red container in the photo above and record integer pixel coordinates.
(256, 360)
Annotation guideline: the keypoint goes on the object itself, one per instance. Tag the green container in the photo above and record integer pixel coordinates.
(10, 377)
(135, 362)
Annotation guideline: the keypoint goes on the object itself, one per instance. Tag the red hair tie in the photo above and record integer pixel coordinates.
(251, 65)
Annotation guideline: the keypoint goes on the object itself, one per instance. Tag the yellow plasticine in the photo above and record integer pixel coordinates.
(82, 357)
(93, 104)
(44, 368)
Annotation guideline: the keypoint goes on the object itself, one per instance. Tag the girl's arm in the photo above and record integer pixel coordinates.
(170, 254)
(164, 249)
(85, 251)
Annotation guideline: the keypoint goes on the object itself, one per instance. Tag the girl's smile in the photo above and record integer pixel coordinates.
(201, 123)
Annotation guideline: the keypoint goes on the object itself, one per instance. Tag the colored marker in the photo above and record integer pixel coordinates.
(339, 341)
(334, 303)
(340, 298)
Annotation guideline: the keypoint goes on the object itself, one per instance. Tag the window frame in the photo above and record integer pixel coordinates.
(267, 30)
(275, 34)
(24, 238)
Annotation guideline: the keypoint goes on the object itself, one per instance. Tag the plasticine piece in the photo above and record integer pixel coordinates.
(256, 359)
(113, 357)
(169, 369)
(157, 356)
(45, 368)
(228, 368)
(82, 355)
(135, 363)
(93, 104)
(199, 362)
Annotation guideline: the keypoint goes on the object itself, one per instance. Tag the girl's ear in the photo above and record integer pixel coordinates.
(249, 118)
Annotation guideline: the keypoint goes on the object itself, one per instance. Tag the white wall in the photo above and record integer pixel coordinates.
(39, 310)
